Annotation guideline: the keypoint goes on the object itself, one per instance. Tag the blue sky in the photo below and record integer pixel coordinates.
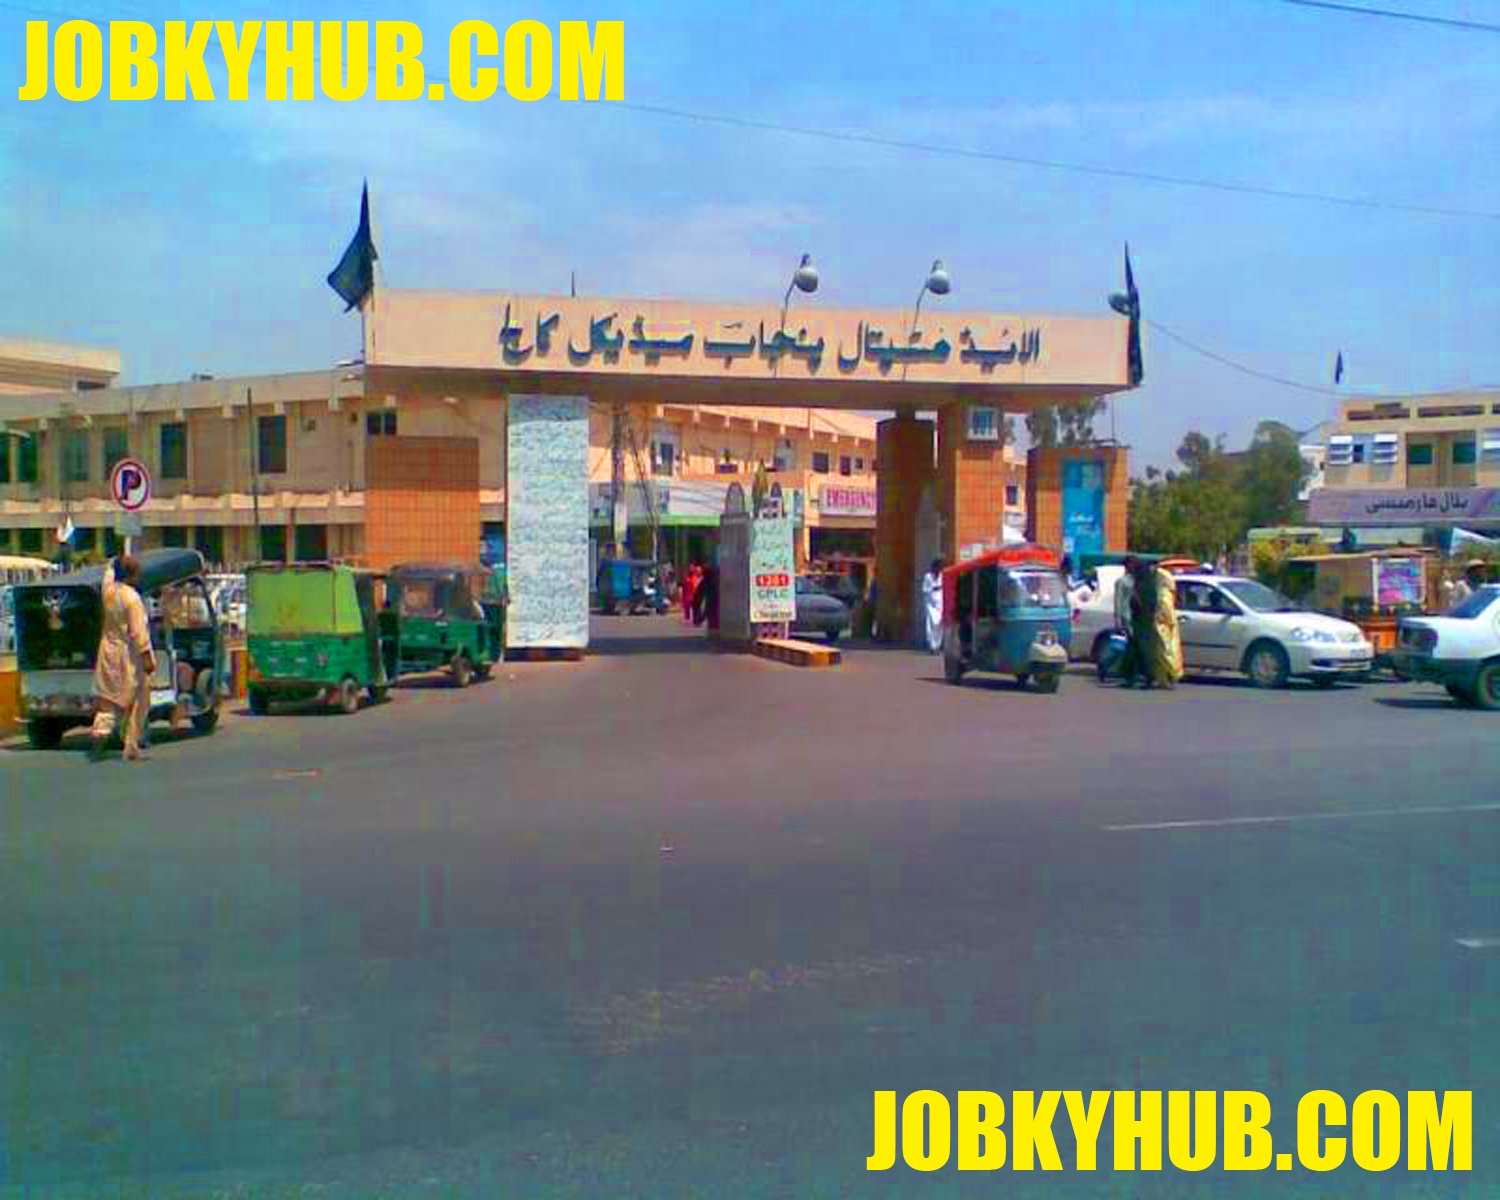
(196, 237)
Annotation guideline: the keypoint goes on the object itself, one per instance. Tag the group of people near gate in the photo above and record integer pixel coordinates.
(1146, 609)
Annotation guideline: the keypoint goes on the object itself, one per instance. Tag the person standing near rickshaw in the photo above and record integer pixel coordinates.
(1129, 664)
(932, 605)
(125, 662)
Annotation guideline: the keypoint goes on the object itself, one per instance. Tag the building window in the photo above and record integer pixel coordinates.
(859, 465)
(31, 541)
(1012, 495)
(381, 424)
(270, 445)
(88, 385)
(76, 456)
(174, 536)
(786, 455)
(1463, 454)
(5, 441)
(846, 465)
(111, 542)
(1419, 454)
(1340, 451)
(116, 447)
(312, 543)
(1385, 449)
(984, 424)
(208, 540)
(83, 540)
(174, 450)
(1490, 450)
(28, 456)
(820, 462)
(273, 543)
(1359, 451)
(4, 539)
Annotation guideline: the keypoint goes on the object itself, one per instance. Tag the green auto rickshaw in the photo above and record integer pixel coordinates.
(443, 616)
(313, 630)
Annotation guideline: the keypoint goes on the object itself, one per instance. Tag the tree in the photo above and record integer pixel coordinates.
(1204, 459)
(1271, 474)
(1069, 424)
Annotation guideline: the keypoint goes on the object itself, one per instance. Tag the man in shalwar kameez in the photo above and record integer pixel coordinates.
(125, 663)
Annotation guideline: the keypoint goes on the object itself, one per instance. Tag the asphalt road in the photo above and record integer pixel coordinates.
(659, 923)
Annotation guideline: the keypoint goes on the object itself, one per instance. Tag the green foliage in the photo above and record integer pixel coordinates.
(1270, 562)
(1206, 508)
(1064, 424)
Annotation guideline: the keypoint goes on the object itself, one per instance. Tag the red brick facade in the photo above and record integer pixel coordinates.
(972, 477)
(1044, 493)
(421, 500)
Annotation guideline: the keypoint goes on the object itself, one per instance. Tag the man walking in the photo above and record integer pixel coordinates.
(125, 662)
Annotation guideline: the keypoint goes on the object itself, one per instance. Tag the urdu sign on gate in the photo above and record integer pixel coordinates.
(773, 572)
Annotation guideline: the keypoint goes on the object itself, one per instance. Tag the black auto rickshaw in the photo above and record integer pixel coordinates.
(58, 625)
(443, 616)
(1007, 612)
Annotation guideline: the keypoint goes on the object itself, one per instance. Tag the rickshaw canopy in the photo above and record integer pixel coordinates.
(159, 569)
(1023, 556)
(304, 599)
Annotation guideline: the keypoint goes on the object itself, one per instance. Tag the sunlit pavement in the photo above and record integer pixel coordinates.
(659, 922)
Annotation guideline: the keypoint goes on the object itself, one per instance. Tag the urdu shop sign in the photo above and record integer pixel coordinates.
(1388, 506)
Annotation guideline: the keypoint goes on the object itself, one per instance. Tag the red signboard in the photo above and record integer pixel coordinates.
(773, 581)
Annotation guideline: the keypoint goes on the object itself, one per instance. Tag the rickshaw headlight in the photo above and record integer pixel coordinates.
(1047, 637)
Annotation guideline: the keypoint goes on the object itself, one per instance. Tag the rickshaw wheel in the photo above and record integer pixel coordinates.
(1023, 679)
(260, 703)
(1048, 682)
(378, 693)
(483, 670)
(348, 696)
(206, 722)
(463, 672)
(44, 733)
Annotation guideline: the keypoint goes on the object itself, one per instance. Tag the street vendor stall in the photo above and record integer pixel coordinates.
(1374, 589)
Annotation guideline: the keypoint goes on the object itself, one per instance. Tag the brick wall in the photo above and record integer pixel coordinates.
(971, 485)
(904, 453)
(421, 500)
(1044, 469)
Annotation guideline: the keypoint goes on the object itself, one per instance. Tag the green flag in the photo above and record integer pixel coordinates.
(354, 278)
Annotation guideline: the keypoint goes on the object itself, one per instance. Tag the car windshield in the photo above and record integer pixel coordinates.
(1476, 605)
(1257, 597)
(1033, 589)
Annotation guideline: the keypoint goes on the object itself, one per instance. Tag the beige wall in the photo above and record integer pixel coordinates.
(28, 366)
(1435, 420)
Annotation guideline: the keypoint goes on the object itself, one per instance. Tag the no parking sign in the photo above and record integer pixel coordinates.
(130, 484)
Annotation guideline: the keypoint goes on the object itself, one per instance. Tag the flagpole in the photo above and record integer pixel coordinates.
(254, 467)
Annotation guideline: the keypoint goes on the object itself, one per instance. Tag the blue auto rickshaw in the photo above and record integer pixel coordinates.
(1007, 612)
(632, 582)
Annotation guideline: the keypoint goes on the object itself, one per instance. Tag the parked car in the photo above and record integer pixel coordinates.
(1093, 606)
(1233, 624)
(1460, 650)
(819, 612)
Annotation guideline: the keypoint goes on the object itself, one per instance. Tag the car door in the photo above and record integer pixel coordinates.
(1207, 619)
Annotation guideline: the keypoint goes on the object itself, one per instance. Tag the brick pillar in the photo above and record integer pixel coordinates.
(1044, 472)
(903, 453)
(971, 485)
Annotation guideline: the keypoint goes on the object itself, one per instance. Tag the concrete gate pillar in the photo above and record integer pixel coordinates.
(904, 460)
(971, 475)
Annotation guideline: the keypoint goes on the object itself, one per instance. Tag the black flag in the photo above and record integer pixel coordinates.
(354, 278)
(1338, 369)
(1133, 303)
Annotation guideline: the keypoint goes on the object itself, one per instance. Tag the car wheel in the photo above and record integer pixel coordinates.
(953, 669)
(463, 673)
(348, 697)
(1487, 686)
(45, 733)
(260, 703)
(1267, 666)
(206, 722)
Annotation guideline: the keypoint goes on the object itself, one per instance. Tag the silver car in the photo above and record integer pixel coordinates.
(819, 612)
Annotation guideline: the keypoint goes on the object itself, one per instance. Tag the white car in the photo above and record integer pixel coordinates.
(1460, 650)
(1093, 606)
(1232, 624)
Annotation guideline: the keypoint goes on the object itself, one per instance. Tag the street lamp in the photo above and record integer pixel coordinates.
(938, 283)
(804, 279)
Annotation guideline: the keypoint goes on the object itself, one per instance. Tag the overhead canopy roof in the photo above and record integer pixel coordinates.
(679, 352)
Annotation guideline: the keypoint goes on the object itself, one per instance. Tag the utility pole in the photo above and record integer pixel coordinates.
(617, 477)
(254, 465)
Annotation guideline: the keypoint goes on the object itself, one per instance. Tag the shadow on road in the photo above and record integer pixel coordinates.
(1423, 702)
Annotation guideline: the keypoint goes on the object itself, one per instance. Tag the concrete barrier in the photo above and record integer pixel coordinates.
(797, 654)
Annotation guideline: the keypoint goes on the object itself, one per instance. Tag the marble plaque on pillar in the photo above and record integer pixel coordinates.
(547, 522)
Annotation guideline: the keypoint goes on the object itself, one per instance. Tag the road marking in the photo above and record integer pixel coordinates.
(1478, 943)
(1295, 818)
(305, 773)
